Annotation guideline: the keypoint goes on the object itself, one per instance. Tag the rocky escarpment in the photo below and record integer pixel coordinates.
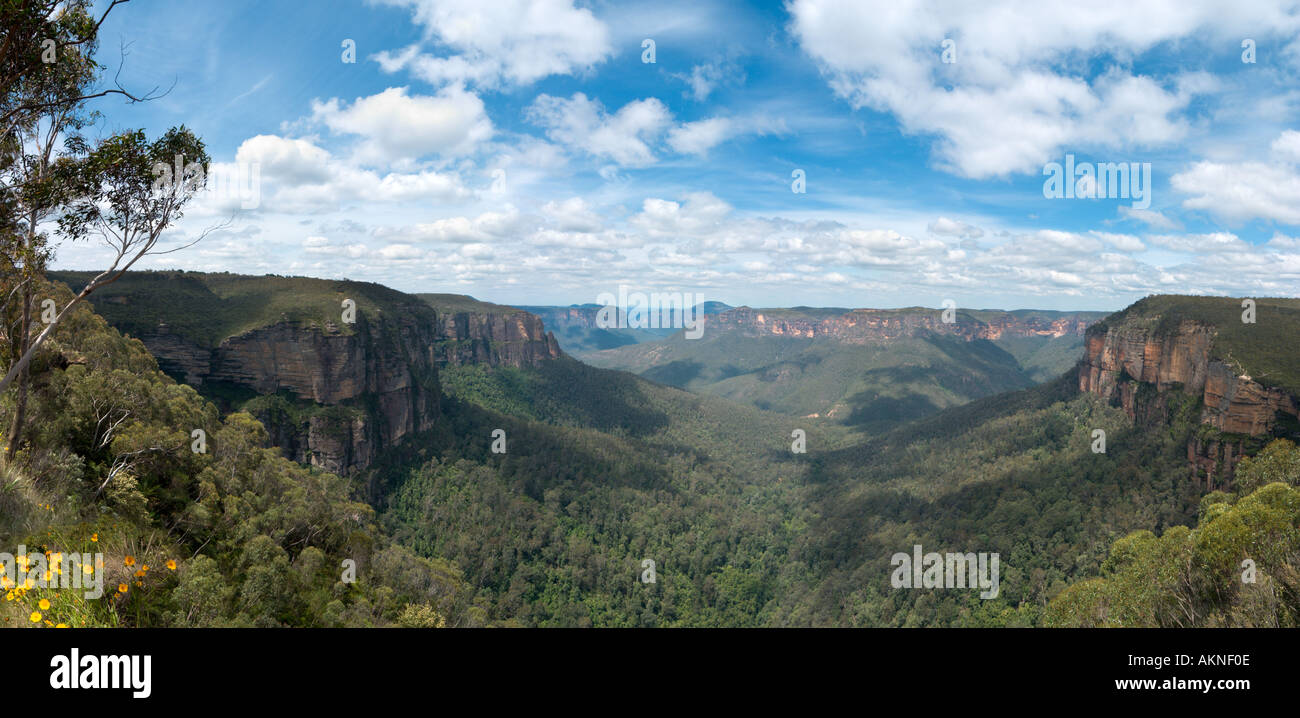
(861, 326)
(1120, 361)
(380, 377)
(512, 338)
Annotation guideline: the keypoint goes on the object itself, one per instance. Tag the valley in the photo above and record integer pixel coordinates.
(865, 368)
(943, 436)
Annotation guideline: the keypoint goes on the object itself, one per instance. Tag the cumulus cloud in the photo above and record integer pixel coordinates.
(296, 175)
(624, 137)
(317, 245)
(295, 161)
(1243, 191)
(700, 242)
(572, 215)
(396, 127)
(954, 228)
(489, 44)
(1122, 242)
(485, 227)
(1149, 217)
(1017, 95)
(1209, 243)
(700, 213)
(700, 136)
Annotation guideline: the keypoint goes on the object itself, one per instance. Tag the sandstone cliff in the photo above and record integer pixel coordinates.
(380, 375)
(497, 338)
(383, 372)
(1120, 360)
(861, 326)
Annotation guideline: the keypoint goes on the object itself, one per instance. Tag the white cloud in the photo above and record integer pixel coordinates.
(1248, 190)
(1287, 146)
(502, 42)
(954, 228)
(295, 161)
(1210, 243)
(485, 227)
(700, 136)
(399, 128)
(1149, 217)
(572, 215)
(1017, 95)
(706, 77)
(562, 249)
(697, 138)
(624, 137)
(400, 252)
(298, 176)
(1282, 242)
(700, 213)
(703, 79)
(323, 246)
(1122, 242)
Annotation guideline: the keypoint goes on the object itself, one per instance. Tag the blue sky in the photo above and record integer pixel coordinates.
(523, 152)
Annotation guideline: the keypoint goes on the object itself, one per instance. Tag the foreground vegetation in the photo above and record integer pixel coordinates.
(110, 467)
(1239, 566)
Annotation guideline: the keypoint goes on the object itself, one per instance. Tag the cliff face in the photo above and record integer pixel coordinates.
(499, 339)
(380, 378)
(862, 326)
(384, 370)
(1119, 360)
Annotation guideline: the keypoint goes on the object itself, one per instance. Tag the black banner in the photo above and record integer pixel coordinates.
(929, 668)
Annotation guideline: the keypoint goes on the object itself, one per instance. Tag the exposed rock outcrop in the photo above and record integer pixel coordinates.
(380, 375)
(498, 338)
(1119, 360)
(1238, 405)
(382, 372)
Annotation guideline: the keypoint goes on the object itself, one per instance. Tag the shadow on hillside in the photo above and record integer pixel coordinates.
(571, 392)
(870, 411)
(539, 457)
(677, 373)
